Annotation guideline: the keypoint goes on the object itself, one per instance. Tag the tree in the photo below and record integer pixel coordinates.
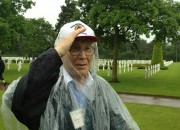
(124, 21)
(177, 48)
(17, 31)
(4, 34)
(157, 57)
(10, 11)
(39, 37)
(118, 22)
(138, 49)
(165, 27)
(69, 12)
(171, 52)
(176, 39)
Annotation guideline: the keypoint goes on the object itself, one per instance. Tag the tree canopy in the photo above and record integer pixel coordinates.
(21, 36)
(117, 22)
(69, 12)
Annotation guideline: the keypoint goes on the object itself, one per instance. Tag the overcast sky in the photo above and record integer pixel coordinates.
(49, 10)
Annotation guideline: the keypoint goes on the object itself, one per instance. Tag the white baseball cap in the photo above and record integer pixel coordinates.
(70, 27)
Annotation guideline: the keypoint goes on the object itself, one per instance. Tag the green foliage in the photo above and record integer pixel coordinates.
(69, 12)
(4, 34)
(115, 22)
(164, 68)
(141, 66)
(124, 21)
(10, 8)
(39, 37)
(20, 36)
(172, 52)
(165, 22)
(157, 56)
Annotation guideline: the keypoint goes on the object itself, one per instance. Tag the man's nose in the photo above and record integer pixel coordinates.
(82, 54)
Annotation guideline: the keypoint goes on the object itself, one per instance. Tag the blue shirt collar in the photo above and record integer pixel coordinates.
(67, 78)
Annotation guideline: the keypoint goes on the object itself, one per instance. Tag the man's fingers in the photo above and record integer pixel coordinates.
(67, 41)
(78, 31)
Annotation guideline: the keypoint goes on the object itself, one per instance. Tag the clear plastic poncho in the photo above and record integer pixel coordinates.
(104, 109)
(10, 121)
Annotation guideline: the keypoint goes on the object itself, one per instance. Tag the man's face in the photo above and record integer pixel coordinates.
(81, 54)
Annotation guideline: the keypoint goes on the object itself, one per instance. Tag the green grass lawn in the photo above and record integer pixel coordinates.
(148, 117)
(152, 117)
(12, 73)
(164, 82)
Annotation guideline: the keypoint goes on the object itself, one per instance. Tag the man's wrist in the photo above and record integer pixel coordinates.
(59, 51)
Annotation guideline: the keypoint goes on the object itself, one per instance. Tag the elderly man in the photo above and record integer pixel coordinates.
(62, 90)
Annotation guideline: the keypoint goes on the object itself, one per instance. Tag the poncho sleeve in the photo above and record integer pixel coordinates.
(33, 89)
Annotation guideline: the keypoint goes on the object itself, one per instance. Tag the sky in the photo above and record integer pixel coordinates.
(50, 9)
(47, 9)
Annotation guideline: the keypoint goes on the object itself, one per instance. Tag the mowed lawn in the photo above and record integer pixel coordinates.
(153, 117)
(148, 117)
(164, 82)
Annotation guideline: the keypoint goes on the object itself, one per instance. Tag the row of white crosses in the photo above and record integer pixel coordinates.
(123, 65)
(166, 63)
(19, 61)
(150, 70)
(127, 65)
(103, 62)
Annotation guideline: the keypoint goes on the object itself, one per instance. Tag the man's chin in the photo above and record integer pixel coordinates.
(83, 73)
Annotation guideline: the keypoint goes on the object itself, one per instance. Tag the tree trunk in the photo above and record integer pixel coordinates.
(115, 54)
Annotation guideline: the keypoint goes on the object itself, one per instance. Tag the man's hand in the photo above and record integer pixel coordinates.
(66, 41)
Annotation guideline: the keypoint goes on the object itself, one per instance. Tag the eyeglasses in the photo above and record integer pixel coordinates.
(76, 50)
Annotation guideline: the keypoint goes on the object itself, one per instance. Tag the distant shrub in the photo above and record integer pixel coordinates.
(105, 67)
(140, 66)
(164, 68)
(26, 61)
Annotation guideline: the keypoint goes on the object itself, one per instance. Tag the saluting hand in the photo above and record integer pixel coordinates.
(66, 41)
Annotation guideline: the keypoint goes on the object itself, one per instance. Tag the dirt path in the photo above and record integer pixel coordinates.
(151, 100)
